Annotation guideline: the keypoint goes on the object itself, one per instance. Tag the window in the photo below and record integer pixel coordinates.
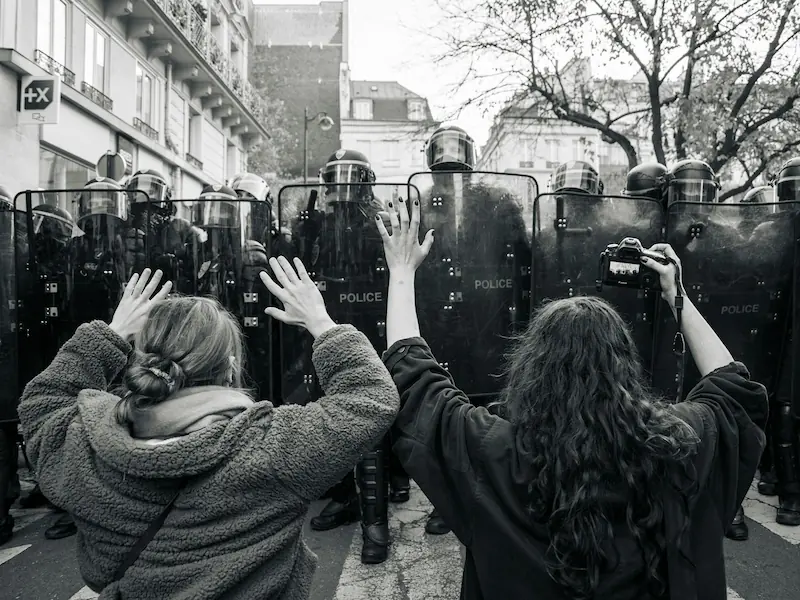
(416, 110)
(365, 147)
(392, 153)
(144, 95)
(529, 150)
(195, 134)
(578, 149)
(553, 150)
(51, 35)
(59, 172)
(94, 66)
(362, 109)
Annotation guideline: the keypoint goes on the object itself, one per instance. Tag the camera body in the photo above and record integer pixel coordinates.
(621, 266)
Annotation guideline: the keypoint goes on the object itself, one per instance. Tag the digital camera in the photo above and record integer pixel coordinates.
(621, 265)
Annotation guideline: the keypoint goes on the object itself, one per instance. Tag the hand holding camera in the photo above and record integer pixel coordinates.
(621, 265)
(668, 270)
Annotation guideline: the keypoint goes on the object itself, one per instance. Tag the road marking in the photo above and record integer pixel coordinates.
(86, 594)
(733, 595)
(419, 565)
(6, 554)
(762, 510)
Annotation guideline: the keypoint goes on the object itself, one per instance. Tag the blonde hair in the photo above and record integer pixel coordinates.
(186, 342)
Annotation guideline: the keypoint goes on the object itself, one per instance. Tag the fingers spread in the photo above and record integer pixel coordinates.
(395, 222)
(131, 285)
(427, 243)
(151, 287)
(287, 268)
(137, 291)
(382, 228)
(163, 292)
(273, 287)
(301, 270)
(277, 313)
(279, 273)
(403, 210)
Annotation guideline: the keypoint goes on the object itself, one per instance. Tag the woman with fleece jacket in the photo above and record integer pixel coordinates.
(242, 474)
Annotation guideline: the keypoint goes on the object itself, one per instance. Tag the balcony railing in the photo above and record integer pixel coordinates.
(54, 67)
(183, 14)
(97, 96)
(195, 162)
(145, 129)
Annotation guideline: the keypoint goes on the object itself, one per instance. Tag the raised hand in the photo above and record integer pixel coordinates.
(136, 302)
(402, 247)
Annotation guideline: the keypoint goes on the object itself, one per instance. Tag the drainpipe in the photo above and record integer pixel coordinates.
(167, 93)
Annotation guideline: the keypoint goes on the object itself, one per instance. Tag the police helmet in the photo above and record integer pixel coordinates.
(450, 148)
(692, 181)
(647, 180)
(348, 167)
(102, 196)
(576, 176)
(763, 194)
(251, 187)
(153, 184)
(220, 206)
(787, 183)
(6, 199)
(54, 222)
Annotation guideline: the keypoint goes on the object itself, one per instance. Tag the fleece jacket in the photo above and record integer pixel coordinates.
(235, 531)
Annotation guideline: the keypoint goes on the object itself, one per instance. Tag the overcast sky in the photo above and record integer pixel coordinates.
(386, 44)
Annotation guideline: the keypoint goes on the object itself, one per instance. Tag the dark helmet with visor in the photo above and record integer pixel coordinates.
(692, 181)
(5, 198)
(102, 197)
(153, 184)
(220, 206)
(763, 194)
(450, 149)
(576, 176)
(647, 180)
(55, 223)
(787, 183)
(348, 167)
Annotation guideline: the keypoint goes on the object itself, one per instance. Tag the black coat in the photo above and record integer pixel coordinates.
(466, 462)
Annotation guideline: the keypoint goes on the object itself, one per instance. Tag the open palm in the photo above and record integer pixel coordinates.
(402, 247)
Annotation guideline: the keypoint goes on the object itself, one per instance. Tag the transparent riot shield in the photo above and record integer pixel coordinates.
(473, 290)
(9, 348)
(571, 231)
(217, 248)
(738, 273)
(332, 230)
(71, 268)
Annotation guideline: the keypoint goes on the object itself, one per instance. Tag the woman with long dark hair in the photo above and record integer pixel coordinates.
(580, 483)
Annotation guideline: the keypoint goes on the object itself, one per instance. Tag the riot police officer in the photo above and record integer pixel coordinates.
(692, 180)
(759, 200)
(342, 236)
(647, 180)
(450, 148)
(576, 176)
(785, 425)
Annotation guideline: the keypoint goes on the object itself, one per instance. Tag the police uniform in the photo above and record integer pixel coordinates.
(344, 246)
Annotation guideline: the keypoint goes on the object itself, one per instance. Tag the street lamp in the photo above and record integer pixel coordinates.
(325, 124)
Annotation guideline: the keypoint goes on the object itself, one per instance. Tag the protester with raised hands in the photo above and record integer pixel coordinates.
(183, 486)
(579, 483)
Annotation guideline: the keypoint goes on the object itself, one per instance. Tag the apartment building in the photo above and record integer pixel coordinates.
(390, 124)
(301, 59)
(163, 82)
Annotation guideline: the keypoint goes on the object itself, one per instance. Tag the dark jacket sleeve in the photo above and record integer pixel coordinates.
(729, 413)
(438, 434)
(310, 447)
(91, 359)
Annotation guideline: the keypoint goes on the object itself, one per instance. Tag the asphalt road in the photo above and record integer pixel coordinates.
(766, 567)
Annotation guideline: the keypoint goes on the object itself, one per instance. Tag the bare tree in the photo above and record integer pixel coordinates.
(713, 79)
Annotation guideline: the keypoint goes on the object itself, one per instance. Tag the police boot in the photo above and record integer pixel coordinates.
(342, 509)
(436, 524)
(768, 483)
(401, 488)
(789, 511)
(372, 477)
(35, 499)
(63, 527)
(738, 530)
(6, 529)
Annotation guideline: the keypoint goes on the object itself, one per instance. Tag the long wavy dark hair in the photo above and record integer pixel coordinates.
(601, 446)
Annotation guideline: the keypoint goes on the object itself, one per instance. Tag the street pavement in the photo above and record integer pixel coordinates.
(421, 567)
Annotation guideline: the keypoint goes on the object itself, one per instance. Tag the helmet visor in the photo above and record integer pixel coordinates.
(582, 180)
(253, 187)
(692, 190)
(220, 213)
(450, 147)
(102, 202)
(155, 188)
(787, 189)
(55, 226)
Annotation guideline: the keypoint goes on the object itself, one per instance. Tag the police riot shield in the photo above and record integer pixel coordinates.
(217, 248)
(9, 348)
(71, 268)
(332, 230)
(571, 230)
(473, 290)
(738, 273)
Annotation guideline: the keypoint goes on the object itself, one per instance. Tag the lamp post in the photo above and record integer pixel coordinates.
(325, 124)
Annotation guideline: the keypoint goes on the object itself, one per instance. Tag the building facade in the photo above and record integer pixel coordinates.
(390, 124)
(299, 56)
(163, 82)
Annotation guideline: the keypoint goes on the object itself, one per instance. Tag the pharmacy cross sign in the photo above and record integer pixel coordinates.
(38, 94)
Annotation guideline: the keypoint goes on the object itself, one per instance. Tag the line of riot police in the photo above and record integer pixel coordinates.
(501, 249)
